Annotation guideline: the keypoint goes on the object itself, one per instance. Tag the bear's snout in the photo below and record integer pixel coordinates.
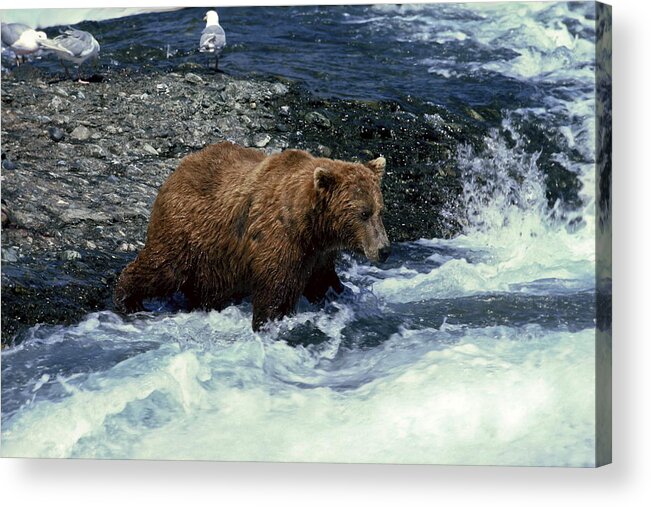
(378, 254)
(376, 245)
(384, 252)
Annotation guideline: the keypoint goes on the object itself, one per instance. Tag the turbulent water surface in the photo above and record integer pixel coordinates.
(478, 349)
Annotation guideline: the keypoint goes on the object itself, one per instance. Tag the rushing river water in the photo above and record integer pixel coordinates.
(474, 350)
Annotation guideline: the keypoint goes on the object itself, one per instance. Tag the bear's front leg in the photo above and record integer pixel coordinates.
(323, 277)
(274, 301)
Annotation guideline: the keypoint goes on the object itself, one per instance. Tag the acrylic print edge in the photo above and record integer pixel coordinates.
(603, 247)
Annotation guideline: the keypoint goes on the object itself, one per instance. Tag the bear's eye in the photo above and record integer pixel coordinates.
(365, 214)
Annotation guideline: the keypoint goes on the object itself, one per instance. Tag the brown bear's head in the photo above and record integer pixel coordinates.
(350, 203)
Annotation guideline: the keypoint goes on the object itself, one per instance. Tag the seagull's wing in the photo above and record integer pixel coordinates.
(77, 42)
(73, 45)
(212, 39)
(53, 46)
(11, 32)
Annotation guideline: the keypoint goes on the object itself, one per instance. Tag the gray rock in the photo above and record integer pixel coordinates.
(9, 255)
(150, 149)
(69, 255)
(318, 119)
(323, 151)
(193, 78)
(60, 119)
(96, 151)
(56, 103)
(474, 114)
(56, 134)
(8, 164)
(76, 215)
(25, 219)
(127, 247)
(80, 133)
(279, 89)
(261, 140)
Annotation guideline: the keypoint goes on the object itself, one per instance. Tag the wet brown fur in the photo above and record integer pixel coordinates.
(232, 222)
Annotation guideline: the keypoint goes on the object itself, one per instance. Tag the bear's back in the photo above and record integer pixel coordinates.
(218, 166)
(201, 191)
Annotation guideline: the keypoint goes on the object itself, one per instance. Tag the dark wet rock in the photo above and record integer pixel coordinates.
(56, 134)
(7, 163)
(25, 73)
(55, 291)
(318, 119)
(190, 66)
(375, 128)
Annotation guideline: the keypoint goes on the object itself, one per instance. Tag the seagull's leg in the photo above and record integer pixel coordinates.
(216, 62)
(95, 65)
(79, 80)
(65, 67)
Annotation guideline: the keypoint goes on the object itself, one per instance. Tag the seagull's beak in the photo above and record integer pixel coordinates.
(205, 18)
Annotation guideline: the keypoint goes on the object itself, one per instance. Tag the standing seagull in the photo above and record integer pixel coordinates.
(23, 40)
(78, 46)
(213, 38)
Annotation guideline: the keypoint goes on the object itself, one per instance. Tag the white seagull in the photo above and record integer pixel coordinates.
(77, 47)
(213, 38)
(23, 40)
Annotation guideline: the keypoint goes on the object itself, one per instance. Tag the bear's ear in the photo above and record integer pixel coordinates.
(377, 166)
(324, 179)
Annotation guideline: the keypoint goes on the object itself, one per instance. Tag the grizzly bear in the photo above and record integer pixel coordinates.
(232, 222)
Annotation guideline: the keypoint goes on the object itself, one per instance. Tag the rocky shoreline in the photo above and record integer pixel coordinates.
(81, 167)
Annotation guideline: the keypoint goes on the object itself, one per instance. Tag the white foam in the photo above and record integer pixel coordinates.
(513, 242)
(495, 396)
